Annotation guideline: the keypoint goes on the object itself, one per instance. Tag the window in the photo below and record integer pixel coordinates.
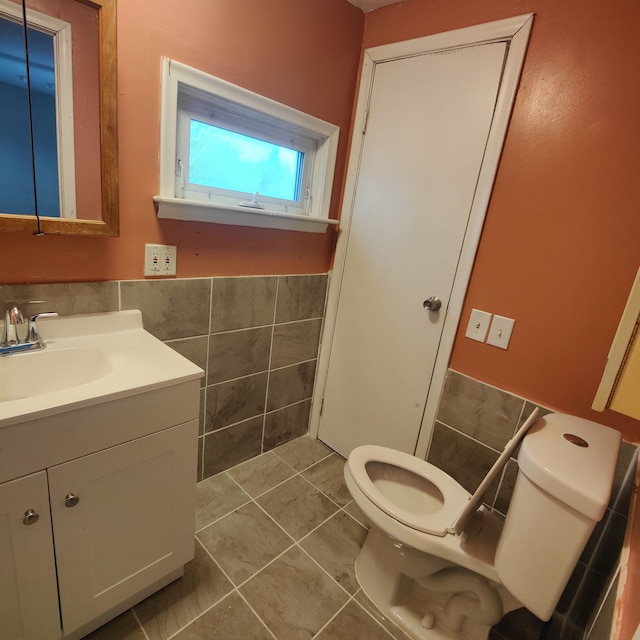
(231, 156)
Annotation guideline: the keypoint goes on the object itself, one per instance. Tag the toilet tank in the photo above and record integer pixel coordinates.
(566, 467)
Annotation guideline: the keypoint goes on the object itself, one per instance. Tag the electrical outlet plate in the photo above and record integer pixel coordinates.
(500, 332)
(478, 325)
(159, 260)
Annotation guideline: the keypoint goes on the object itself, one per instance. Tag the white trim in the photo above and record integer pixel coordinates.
(515, 30)
(619, 347)
(326, 135)
(60, 31)
(180, 209)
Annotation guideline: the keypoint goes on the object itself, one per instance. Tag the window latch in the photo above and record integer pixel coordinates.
(253, 203)
(180, 172)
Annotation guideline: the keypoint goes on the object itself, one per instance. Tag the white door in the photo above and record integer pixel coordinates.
(428, 127)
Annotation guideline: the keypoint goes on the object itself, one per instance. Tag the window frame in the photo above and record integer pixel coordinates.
(187, 91)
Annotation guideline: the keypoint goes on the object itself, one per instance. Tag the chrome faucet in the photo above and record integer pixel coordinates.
(10, 339)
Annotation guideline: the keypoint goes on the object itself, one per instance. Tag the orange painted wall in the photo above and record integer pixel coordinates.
(561, 242)
(303, 53)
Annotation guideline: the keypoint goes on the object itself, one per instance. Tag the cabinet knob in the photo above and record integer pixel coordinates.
(30, 517)
(71, 500)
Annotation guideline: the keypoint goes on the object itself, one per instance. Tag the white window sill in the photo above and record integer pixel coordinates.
(179, 209)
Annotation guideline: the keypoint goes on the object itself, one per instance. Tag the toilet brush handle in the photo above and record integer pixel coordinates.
(476, 499)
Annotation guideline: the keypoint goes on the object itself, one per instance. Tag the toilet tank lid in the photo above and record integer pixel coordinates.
(572, 459)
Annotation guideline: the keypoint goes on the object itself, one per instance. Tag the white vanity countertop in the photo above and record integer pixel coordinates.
(111, 350)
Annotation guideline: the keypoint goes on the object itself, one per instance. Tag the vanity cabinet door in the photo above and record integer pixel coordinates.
(28, 589)
(123, 519)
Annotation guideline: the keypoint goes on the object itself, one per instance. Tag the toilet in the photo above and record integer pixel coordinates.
(442, 566)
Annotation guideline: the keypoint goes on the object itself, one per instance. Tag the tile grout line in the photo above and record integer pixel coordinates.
(378, 622)
(256, 614)
(257, 326)
(137, 619)
(466, 435)
(295, 543)
(217, 602)
(331, 619)
(262, 413)
(266, 390)
(224, 515)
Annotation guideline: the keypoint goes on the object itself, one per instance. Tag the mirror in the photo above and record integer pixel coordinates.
(71, 48)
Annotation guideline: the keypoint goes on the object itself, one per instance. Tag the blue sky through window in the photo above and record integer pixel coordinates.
(227, 160)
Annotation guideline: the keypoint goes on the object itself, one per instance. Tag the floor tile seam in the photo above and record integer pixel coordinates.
(259, 571)
(200, 615)
(224, 573)
(313, 464)
(275, 486)
(376, 619)
(224, 515)
(274, 520)
(218, 601)
(344, 510)
(306, 553)
(256, 614)
(331, 619)
(137, 619)
(320, 491)
(306, 535)
(307, 467)
(368, 613)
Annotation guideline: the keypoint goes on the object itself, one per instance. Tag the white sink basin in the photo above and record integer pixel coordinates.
(23, 375)
(88, 359)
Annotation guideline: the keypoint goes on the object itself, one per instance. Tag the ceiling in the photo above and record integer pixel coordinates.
(370, 5)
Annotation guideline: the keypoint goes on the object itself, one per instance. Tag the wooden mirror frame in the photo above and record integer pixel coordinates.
(109, 225)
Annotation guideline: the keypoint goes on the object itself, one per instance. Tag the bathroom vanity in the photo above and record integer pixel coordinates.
(97, 478)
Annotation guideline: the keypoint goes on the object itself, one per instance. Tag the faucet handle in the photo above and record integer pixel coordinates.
(32, 332)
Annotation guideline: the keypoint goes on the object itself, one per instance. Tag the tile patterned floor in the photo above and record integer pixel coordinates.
(276, 540)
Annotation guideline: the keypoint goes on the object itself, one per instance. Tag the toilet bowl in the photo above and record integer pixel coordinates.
(442, 566)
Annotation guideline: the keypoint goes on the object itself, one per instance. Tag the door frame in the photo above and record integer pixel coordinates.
(515, 31)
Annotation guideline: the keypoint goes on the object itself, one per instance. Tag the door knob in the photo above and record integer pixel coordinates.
(432, 304)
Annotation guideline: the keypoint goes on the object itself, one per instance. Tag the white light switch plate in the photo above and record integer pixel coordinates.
(478, 325)
(500, 332)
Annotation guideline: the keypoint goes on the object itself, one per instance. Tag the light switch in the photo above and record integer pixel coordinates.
(478, 325)
(500, 332)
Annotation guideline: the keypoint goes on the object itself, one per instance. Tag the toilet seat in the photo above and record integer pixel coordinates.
(439, 522)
